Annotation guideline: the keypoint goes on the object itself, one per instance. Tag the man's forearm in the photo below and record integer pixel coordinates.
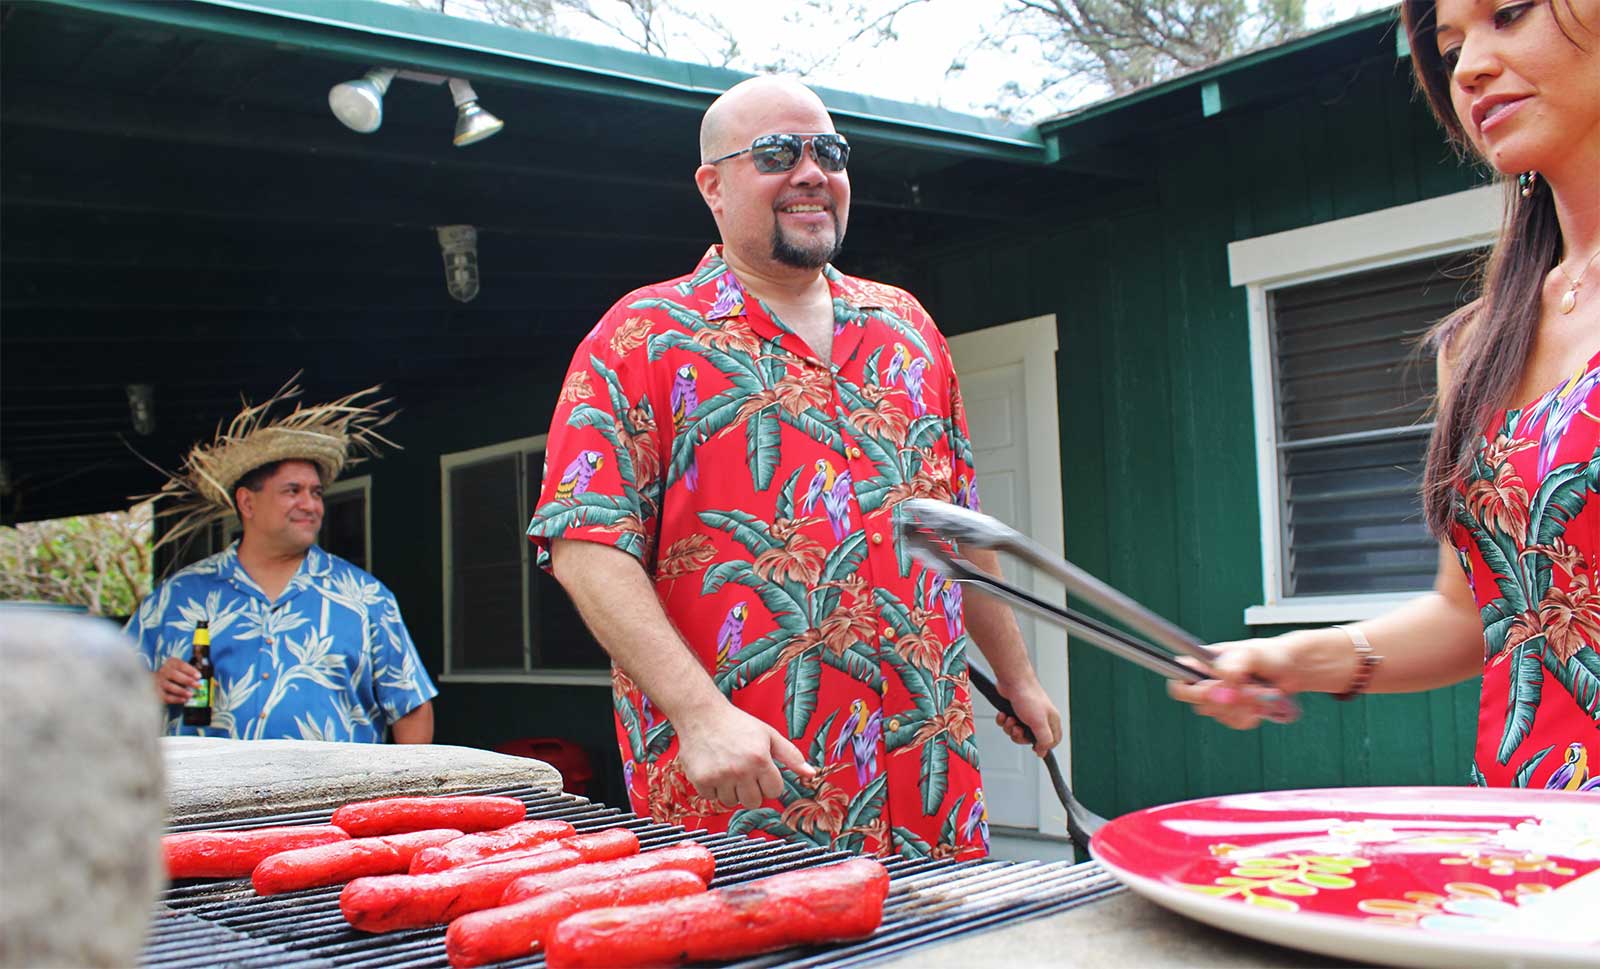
(993, 626)
(415, 727)
(618, 603)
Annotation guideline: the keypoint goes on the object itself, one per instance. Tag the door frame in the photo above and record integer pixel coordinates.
(1033, 344)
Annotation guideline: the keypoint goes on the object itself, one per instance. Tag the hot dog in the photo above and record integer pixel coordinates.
(476, 847)
(689, 857)
(340, 861)
(516, 930)
(397, 815)
(384, 903)
(235, 854)
(827, 904)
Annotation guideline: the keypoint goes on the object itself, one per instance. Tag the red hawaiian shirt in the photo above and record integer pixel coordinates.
(756, 484)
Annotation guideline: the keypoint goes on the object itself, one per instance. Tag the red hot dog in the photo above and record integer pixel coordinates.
(689, 857)
(398, 815)
(828, 904)
(235, 854)
(516, 930)
(476, 847)
(384, 903)
(340, 861)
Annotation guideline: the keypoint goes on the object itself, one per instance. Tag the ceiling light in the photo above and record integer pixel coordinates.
(359, 103)
(473, 123)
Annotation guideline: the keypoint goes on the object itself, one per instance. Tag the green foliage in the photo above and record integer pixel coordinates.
(100, 562)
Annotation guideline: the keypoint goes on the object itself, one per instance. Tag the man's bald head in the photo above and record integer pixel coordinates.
(731, 122)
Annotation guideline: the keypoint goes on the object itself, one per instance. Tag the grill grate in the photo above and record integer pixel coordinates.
(210, 923)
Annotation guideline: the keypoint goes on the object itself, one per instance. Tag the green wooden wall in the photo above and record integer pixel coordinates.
(1157, 424)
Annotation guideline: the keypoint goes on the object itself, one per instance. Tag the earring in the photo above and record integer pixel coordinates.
(1526, 182)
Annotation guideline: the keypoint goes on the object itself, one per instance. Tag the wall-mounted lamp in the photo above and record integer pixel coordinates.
(142, 408)
(459, 243)
(359, 103)
(473, 123)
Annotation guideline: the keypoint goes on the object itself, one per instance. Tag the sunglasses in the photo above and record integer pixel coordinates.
(780, 153)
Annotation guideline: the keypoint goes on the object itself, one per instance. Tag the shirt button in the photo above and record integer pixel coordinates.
(855, 452)
(877, 538)
(269, 640)
(263, 676)
(894, 725)
(888, 633)
(262, 717)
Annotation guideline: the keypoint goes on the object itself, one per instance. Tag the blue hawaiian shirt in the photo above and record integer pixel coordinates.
(330, 659)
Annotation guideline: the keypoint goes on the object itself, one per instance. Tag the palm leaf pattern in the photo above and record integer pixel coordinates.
(1526, 541)
(746, 474)
(331, 659)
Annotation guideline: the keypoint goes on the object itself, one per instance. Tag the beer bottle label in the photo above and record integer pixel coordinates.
(202, 695)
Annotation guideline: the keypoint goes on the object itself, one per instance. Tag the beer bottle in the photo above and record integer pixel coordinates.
(197, 709)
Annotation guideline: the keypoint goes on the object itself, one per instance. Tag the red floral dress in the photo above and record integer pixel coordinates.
(1527, 531)
(756, 484)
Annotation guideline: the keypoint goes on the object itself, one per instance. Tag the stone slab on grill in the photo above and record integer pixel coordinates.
(929, 901)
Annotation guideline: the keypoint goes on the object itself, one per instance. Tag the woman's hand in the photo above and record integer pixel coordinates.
(1251, 676)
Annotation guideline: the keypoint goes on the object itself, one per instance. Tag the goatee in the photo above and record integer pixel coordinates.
(814, 256)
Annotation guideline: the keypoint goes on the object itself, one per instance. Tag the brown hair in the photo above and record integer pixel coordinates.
(1487, 342)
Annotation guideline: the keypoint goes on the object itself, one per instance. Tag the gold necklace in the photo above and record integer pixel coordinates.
(1569, 299)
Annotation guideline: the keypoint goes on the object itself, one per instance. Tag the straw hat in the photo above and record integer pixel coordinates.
(323, 434)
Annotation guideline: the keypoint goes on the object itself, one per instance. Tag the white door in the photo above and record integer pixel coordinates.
(1007, 378)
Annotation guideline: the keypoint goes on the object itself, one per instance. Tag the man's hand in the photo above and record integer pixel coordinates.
(1033, 708)
(728, 756)
(176, 680)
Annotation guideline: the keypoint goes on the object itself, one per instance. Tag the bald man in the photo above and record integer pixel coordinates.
(721, 475)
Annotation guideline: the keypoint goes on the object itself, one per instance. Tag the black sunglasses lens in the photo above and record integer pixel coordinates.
(776, 153)
(832, 152)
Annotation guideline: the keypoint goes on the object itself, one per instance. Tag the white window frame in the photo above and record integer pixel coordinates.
(1404, 233)
(363, 484)
(566, 677)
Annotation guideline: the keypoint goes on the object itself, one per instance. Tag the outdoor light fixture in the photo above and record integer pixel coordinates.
(359, 103)
(142, 408)
(473, 124)
(459, 243)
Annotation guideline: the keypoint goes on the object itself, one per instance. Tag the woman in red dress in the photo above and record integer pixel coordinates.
(1514, 463)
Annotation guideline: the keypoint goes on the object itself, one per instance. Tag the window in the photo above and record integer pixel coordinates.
(1341, 398)
(505, 618)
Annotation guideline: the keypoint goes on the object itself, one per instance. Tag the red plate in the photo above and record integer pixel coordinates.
(1417, 876)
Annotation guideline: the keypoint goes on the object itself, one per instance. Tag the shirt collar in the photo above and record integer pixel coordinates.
(729, 299)
(316, 564)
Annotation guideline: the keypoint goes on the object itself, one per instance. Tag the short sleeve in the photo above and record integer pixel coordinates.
(400, 683)
(602, 458)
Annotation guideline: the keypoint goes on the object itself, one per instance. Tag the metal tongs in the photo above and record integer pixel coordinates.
(929, 527)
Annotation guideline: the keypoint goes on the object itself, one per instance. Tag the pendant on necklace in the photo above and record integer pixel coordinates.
(1569, 299)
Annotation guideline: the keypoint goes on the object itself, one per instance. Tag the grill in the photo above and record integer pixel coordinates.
(212, 923)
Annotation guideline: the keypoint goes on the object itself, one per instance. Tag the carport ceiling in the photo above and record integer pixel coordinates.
(180, 209)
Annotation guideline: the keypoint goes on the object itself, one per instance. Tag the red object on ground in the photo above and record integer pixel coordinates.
(828, 904)
(564, 755)
(235, 854)
(475, 847)
(340, 861)
(517, 930)
(692, 858)
(398, 815)
(384, 903)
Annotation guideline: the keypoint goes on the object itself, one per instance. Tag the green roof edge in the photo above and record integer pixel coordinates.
(489, 51)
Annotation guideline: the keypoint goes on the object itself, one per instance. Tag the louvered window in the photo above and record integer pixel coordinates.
(1353, 421)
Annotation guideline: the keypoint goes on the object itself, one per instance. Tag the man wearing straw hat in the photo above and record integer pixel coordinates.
(306, 646)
